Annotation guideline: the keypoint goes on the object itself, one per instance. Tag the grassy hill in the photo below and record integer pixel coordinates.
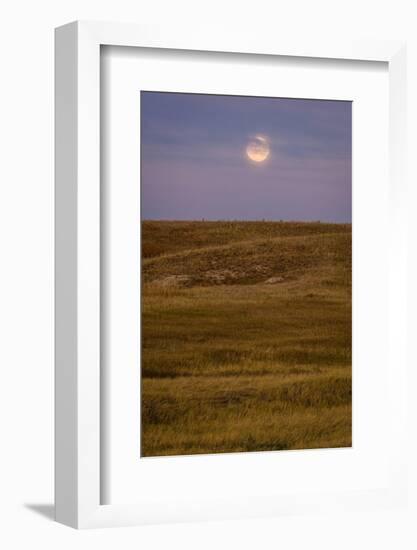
(246, 336)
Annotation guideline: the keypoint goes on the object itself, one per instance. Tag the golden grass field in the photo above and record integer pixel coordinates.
(232, 361)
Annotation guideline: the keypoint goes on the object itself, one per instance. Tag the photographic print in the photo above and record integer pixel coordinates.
(246, 270)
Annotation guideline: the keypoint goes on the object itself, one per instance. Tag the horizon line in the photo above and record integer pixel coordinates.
(237, 220)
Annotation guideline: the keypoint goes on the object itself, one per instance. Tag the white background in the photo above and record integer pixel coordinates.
(26, 273)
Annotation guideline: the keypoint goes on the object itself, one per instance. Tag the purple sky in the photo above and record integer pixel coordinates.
(194, 165)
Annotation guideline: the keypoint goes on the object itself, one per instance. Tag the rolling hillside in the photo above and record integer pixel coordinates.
(246, 336)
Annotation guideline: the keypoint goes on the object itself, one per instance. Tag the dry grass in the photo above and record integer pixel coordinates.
(230, 363)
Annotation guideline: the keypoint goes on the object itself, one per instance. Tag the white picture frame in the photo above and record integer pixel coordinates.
(78, 405)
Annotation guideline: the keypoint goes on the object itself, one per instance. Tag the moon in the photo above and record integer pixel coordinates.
(258, 149)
